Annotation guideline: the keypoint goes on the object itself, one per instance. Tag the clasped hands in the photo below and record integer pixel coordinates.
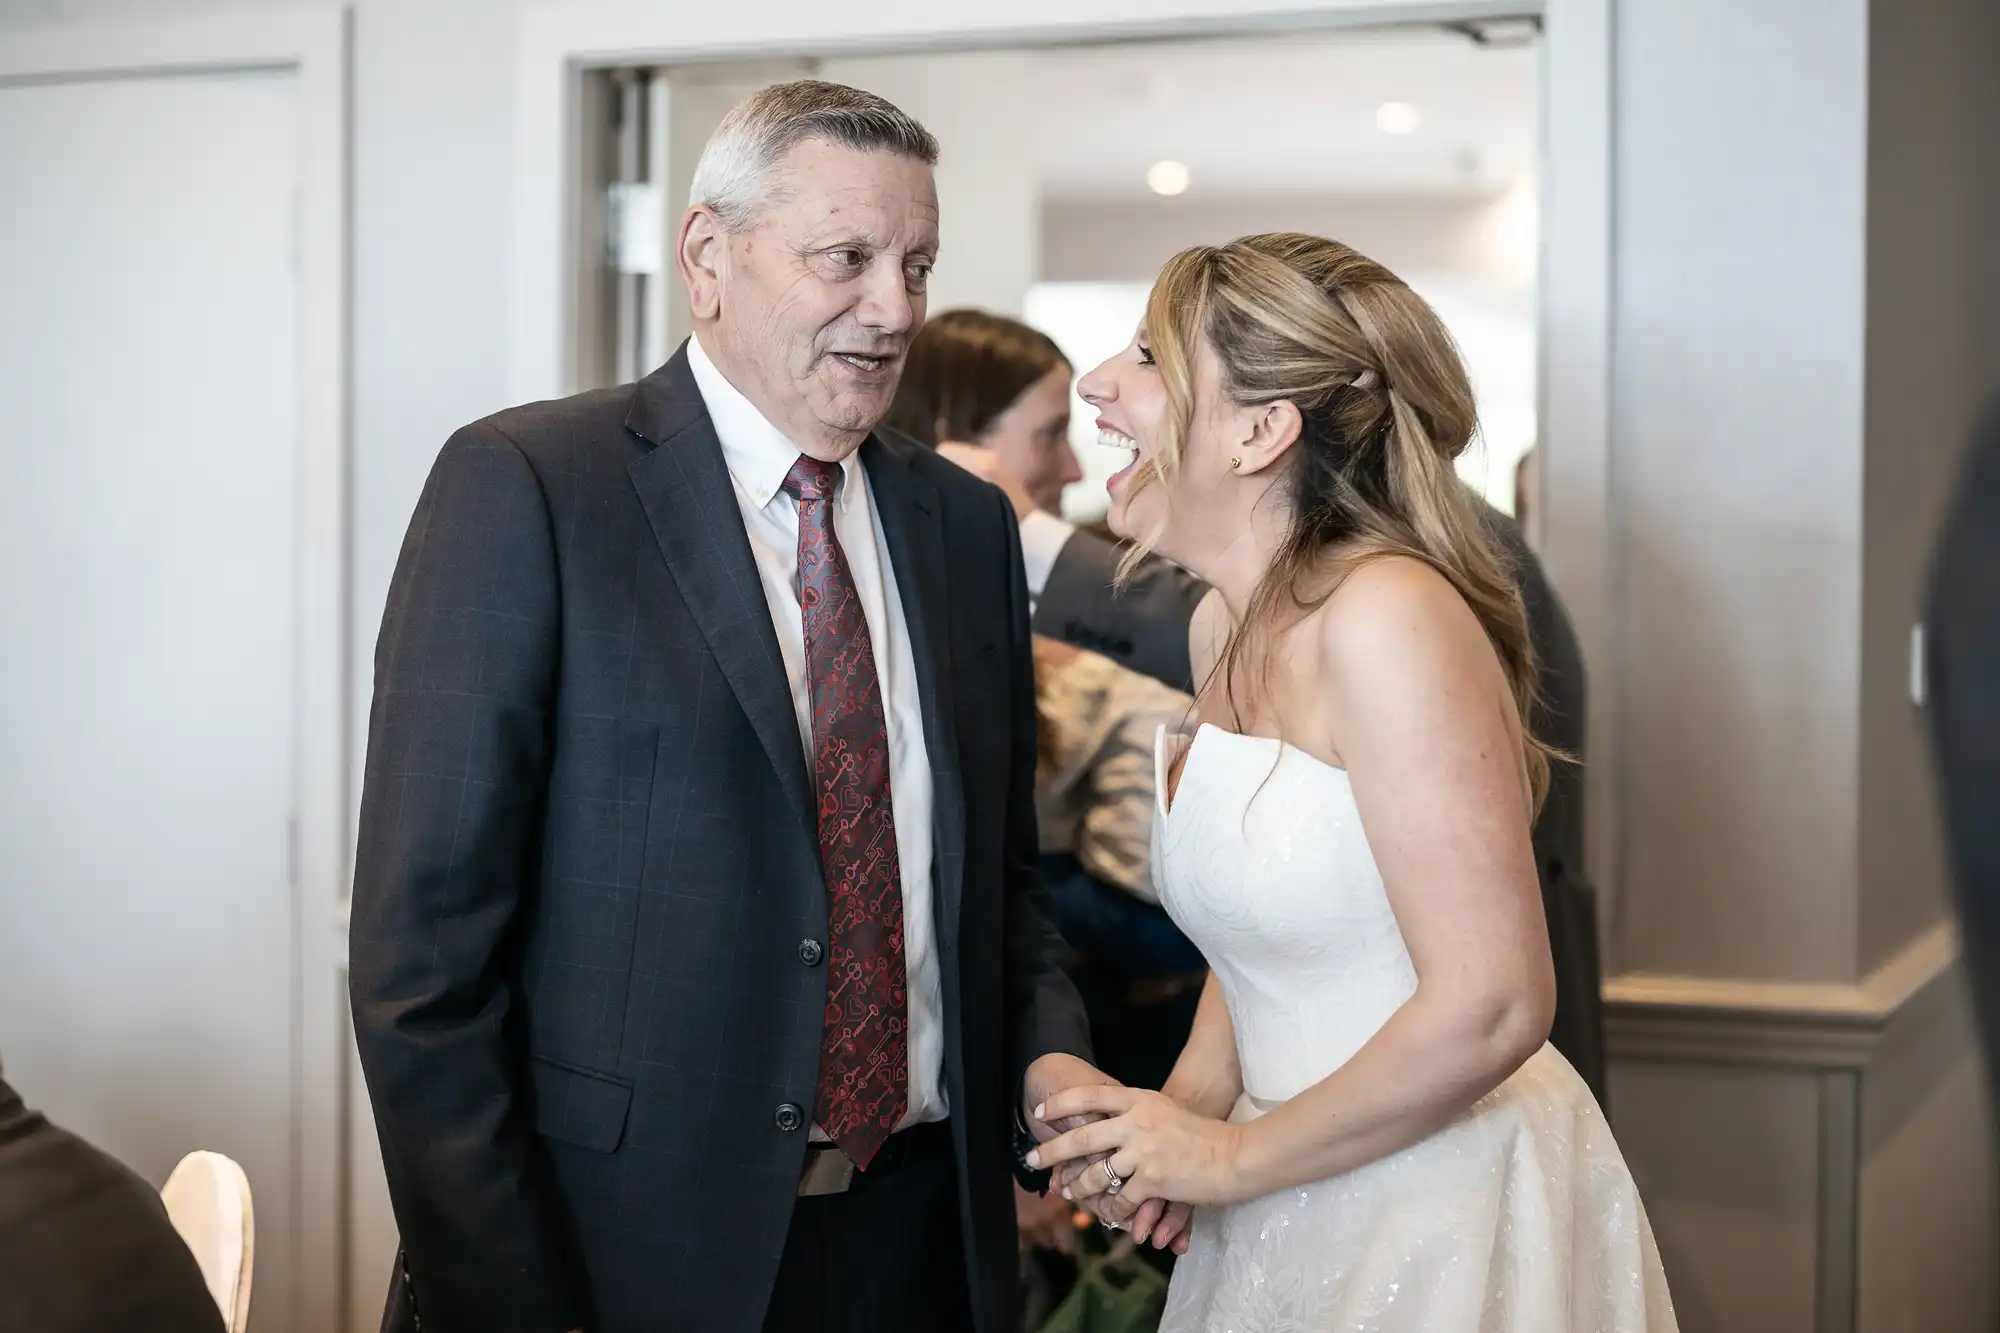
(1168, 1158)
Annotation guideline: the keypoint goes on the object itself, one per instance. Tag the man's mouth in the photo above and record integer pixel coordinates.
(868, 363)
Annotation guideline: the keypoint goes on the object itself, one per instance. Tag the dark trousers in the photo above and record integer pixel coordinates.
(887, 1256)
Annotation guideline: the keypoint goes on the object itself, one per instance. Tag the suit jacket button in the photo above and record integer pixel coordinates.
(790, 1118)
(810, 952)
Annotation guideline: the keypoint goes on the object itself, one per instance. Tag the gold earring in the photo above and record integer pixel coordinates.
(1235, 462)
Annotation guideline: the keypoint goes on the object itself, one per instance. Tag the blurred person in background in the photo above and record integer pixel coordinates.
(1556, 718)
(982, 381)
(995, 381)
(1964, 686)
(85, 1244)
(1528, 496)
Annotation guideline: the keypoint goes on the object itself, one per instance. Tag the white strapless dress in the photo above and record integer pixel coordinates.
(1520, 1217)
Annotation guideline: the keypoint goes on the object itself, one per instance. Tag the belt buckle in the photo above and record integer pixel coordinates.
(828, 1170)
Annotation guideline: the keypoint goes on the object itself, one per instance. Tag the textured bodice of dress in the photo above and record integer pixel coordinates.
(1281, 892)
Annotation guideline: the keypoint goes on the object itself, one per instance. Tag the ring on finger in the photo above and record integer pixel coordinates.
(1113, 1182)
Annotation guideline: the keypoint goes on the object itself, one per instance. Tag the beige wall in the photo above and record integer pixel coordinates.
(1926, 1245)
(1803, 310)
(1737, 460)
(1727, 1161)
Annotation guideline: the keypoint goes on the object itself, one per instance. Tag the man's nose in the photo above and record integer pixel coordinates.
(1072, 468)
(886, 303)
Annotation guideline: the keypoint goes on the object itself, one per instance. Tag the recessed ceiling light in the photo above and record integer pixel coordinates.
(1168, 177)
(1397, 118)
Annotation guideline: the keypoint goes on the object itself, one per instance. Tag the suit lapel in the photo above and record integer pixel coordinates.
(684, 487)
(913, 526)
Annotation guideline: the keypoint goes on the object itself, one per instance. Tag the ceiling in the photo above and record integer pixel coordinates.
(1292, 115)
(1289, 116)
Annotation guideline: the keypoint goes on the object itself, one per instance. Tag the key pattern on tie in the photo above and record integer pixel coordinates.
(864, 1047)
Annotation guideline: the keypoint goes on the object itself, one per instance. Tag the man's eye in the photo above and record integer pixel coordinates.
(918, 275)
(847, 257)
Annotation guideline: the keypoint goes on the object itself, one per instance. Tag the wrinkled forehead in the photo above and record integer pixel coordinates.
(824, 192)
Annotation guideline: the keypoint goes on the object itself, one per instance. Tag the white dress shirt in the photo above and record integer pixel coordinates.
(1043, 537)
(759, 457)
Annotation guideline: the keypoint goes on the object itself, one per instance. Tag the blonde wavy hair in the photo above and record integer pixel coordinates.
(1386, 409)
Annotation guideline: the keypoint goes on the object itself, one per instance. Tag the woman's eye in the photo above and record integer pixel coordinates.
(1145, 355)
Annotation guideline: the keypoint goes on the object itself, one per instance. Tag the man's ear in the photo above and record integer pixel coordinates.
(702, 254)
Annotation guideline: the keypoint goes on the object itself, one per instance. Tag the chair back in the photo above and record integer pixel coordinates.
(208, 1200)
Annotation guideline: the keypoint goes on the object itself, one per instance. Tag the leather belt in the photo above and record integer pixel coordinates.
(828, 1170)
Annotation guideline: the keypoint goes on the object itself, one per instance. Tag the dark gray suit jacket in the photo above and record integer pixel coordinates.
(85, 1245)
(1964, 653)
(1143, 625)
(1568, 898)
(587, 897)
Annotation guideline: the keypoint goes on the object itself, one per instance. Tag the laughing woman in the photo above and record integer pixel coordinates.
(1367, 1121)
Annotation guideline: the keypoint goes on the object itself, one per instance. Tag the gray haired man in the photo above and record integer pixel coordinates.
(702, 973)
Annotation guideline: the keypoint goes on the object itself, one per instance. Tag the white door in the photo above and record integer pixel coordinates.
(149, 431)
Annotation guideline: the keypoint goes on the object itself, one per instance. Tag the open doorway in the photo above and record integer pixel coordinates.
(1070, 174)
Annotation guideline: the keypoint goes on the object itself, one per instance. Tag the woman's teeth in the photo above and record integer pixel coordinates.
(1112, 439)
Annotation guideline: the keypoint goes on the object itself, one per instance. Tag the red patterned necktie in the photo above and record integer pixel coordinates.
(864, 1048)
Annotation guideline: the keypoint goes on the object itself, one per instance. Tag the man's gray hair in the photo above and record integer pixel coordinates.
(732, 177)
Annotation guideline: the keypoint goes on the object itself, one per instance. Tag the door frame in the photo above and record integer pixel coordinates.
(313, 44)
(557, 43)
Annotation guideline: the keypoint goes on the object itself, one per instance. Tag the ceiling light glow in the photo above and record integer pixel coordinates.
(1167, 177)
(1397, 118)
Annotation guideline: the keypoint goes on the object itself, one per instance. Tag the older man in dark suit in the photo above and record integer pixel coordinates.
(702, 972)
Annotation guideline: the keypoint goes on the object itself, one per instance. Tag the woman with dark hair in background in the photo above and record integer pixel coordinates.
(993, 395)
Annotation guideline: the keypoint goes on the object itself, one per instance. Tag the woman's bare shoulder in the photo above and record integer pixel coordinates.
(1395, 621)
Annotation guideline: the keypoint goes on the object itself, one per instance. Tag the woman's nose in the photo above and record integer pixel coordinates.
(1098, 387)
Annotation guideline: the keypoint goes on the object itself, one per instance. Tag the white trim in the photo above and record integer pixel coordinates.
(314, 43)
(1815, 1025)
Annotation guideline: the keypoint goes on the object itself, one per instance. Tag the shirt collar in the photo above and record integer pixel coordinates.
(758, 454)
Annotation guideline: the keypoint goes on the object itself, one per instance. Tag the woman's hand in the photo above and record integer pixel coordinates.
(1159, 1150)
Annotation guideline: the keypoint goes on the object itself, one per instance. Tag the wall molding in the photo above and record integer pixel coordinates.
(1657, 1017)
(1832, 1033)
